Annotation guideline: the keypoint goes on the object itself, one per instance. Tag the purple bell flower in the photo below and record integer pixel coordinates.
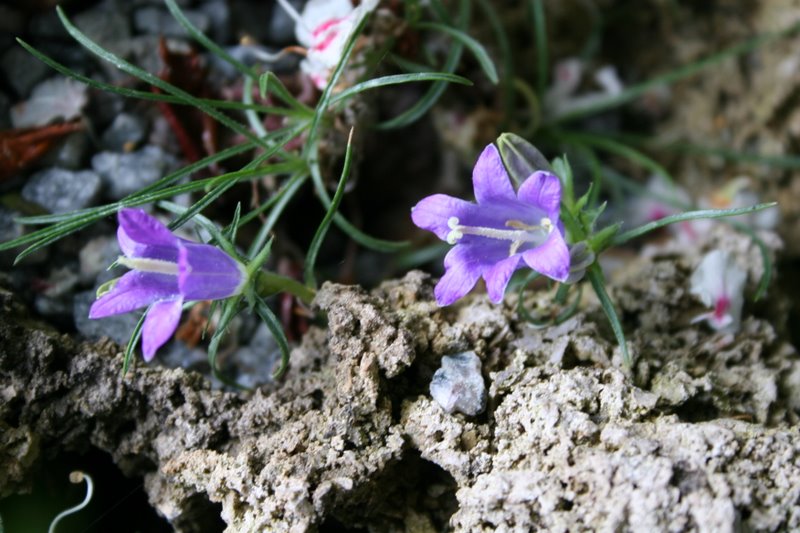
(502, 232)
(166, 271)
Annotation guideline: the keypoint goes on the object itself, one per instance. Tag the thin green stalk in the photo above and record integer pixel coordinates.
(474, 46)
(595, 275)
(322, 230)
(252, 117)
(508, 92)
(279, 200)
(540, 36)
(682, 217)
(274, 326)
(436, 90)
(614, 147)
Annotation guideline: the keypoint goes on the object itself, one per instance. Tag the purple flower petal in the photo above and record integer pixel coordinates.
(141, 235)
(134, 290)
(207, 273)
(433, 212)
(497, 277)
(463, 271)
(543, 190)
(490, 179)
(159, 325)
(551, 258)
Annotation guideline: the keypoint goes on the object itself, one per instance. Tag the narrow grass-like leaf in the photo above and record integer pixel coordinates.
(322, 230)
(133, 342)
(210, 45)
(160, 184)
(682, 217)
(612, 146)
(311, 154)
(409, 66)
(763, 284)
(540, 37)
(248, 72)
(474, 46)
(272, 82)
(274, 326)
(156, 97)
(222, 184)
(55, 232)
(595, 275)
(229, 311)
(504, 44)
(217, 235)
(397, 79)
(252, 117)
(634, 91)
(439, 11)
(380, 245)
(147, 77)
(766, 277)
(436, 90)
(775, 161)
(233, 228)
(277, 203)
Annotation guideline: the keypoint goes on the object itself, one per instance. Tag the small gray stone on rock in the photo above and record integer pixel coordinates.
(60, 190)
(458, 385)
(125, 133)
(124, 174)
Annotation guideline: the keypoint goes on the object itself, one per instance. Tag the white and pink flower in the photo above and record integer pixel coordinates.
(324, 28)
(719, 283)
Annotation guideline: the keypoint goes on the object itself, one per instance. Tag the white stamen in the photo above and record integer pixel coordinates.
(521, 234)
(455, 234)
(157, 266)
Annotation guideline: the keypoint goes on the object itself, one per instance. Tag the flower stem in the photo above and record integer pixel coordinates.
(269, 283)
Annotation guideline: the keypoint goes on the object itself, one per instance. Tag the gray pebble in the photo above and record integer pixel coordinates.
(125, 174)
(253, 364)
(70, 153)
(153, 20)
(9, 230)
(124, 133)
(60, 190)
(117, 327)
(458, 385)
(96, 256)
(22, 70)
(219, 15)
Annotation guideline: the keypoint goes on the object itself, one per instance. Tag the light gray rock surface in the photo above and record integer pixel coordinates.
(701, 436)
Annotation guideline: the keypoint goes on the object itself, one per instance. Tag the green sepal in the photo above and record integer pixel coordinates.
(105, 288)
(604, 238)
(520, 157)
